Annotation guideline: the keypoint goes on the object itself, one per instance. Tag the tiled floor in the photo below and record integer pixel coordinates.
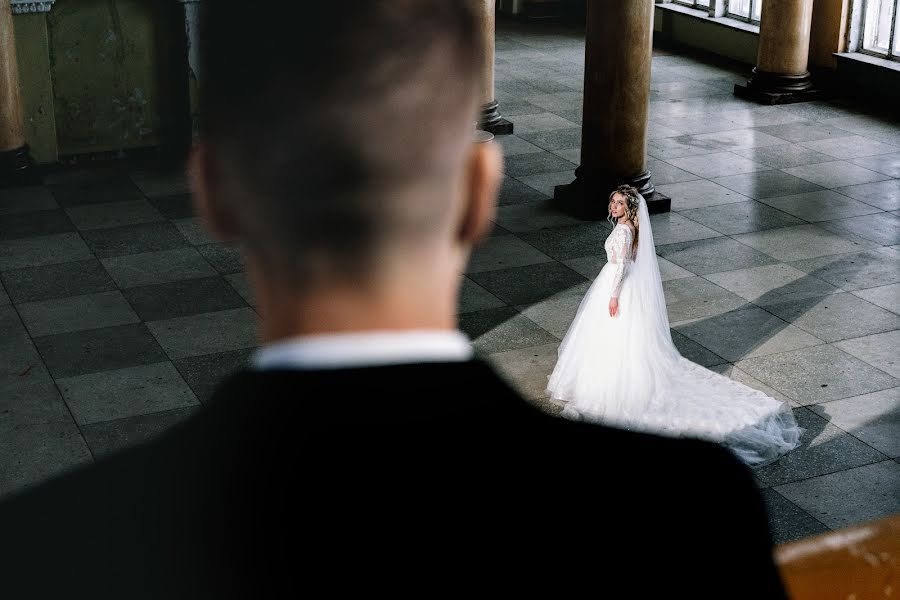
(781, 262)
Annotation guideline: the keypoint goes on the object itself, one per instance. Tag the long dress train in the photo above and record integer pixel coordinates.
(626, 371)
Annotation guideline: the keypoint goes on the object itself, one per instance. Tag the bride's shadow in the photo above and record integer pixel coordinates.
(790, 468)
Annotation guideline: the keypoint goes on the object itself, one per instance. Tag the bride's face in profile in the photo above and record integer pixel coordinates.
(617, 206)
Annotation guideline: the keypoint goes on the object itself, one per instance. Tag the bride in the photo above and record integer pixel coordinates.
(617, 363)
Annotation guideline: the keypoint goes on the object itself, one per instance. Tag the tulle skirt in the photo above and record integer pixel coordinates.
(624, 372)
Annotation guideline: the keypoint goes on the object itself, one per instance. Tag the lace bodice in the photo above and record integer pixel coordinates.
(619, 253)
(624, 370)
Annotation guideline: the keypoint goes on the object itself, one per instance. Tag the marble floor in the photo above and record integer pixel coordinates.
(781, 260)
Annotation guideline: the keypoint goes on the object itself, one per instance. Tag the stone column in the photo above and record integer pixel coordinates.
(781, 75)
(490, 119)
(14, 159)
(618, 54)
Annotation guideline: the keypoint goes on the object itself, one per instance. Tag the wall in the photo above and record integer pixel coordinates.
(705, 34)
(103, 76)
(828, 32)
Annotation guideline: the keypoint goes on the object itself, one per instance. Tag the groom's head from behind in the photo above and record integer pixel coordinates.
(337, 146)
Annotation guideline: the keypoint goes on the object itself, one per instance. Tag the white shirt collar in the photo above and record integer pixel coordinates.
(370, 349)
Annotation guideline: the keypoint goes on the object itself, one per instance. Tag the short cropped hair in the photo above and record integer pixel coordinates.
(332, 127)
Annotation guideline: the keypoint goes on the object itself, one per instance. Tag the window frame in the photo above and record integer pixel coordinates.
(718, 9)
(891, 53)
(749, 18)
(694, 4)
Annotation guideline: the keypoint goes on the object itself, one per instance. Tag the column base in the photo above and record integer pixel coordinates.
(772, 88)
(493, 121)
(657, 202)
(586, 197)
(17, 168)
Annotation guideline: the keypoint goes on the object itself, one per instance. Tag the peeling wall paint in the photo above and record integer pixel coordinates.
(107, 65)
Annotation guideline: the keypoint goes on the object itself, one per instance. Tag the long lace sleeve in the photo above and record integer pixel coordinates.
(620, 256)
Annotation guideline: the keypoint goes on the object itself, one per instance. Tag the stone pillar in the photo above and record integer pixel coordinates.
(781, 75)
(14, 159)
(618, 55)
(490, 119)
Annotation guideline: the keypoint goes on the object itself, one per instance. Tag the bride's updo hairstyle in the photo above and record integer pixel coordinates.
(632, 201)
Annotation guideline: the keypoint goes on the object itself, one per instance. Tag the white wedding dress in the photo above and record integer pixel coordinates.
(625, 371)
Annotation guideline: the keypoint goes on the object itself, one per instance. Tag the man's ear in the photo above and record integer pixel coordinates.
(483, 177)
(207, 201)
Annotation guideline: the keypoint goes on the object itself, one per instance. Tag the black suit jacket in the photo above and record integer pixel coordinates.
(410, 479)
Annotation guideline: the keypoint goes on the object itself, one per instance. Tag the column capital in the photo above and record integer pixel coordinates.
(21, 7)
